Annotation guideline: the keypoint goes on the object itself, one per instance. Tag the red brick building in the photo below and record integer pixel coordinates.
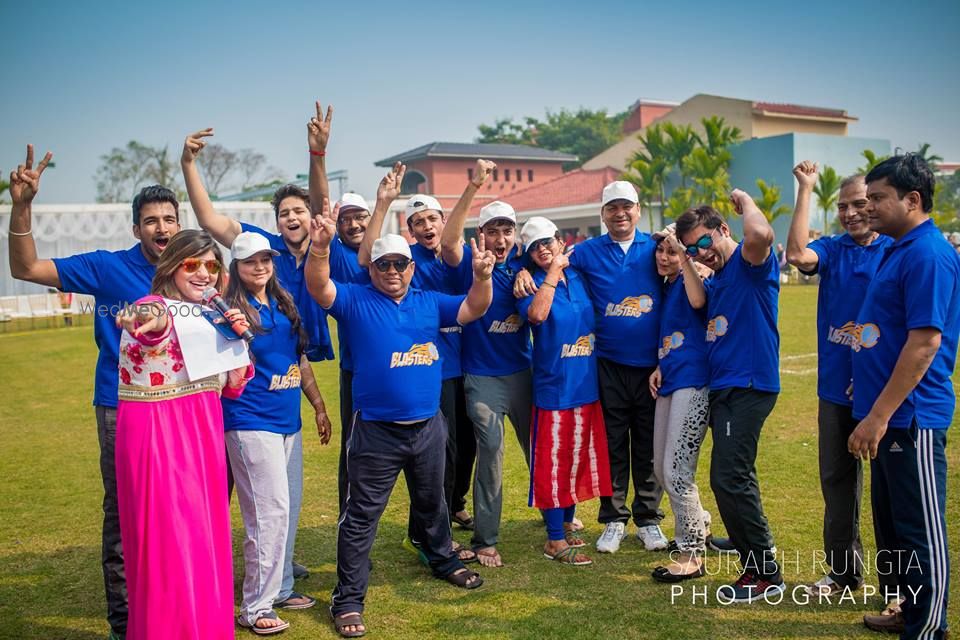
(441, 169)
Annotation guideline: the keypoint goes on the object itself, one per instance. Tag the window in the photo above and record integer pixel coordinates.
(529, 175)
(506, 175)
(470, 174)
(519, 175)
(496, 175)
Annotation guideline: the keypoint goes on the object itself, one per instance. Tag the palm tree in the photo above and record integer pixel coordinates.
(872, 161)
(680, 142)
(709, 177)
(769, 201)
(827, 191)
(647, 177)
(932, 159)
(717, 136)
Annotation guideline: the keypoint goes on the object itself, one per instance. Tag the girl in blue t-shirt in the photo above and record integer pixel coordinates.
(680, 386)
(568, 450)
(263, 434)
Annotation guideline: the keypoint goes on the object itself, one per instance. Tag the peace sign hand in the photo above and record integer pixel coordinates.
(193, 144)
(324, 226)
(483, 261)
(390, 186)
(25, 181)
(318, 129)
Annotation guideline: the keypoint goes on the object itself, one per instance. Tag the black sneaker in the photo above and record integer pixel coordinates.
(750, 588)
(721, 545)
(300, 572)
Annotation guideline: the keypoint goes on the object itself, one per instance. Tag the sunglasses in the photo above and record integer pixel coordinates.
(542, 242)
(192, 265)
(705, 242)
(400, 265)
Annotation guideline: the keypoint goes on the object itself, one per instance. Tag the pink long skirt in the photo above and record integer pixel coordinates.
(175, 518)
(570, 461)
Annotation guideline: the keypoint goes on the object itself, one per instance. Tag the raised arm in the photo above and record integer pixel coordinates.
(797, 253)
(317, 269)
(24, 264)
(318, 133)
(224, 229)
(539, 309)
(757, 233)
(387, 192)
(451, 240)
(692, 280)
(480, 294)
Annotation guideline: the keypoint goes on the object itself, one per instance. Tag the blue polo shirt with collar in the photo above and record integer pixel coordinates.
(271, 400)
(917, 286)
(397, 373)
(846, 269)
(743, 342)
(683, 343)
(564, 364)
(290, 275)
(115, 279)
(626, 294)
(431, 273)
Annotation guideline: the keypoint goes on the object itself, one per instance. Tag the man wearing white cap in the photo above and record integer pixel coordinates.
(394, 332)
(425, 221)
(495, 358)
(620, 269)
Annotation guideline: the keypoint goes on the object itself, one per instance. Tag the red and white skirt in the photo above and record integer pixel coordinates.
(570, 462)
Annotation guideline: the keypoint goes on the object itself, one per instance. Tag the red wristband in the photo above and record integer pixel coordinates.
(318, 153)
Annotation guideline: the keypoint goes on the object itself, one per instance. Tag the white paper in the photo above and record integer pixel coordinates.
(205, 351)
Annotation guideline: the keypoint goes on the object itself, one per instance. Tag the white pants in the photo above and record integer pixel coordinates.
(268, 475)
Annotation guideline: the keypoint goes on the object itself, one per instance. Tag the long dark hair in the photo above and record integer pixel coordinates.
(189, 243)
(236, 297)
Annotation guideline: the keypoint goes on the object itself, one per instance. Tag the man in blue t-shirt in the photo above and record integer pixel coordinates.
(396, 385)
(846, 264)
(115, 279)
(903, 359)
(743, 351)
(495, 357)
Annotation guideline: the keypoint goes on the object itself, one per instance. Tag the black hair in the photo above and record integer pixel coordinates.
(906, 173)
(236, 296)
(154, 193)
(288, 191)
(695, 216)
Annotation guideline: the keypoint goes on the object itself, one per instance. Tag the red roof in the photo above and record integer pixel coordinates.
(572, 188)
(801, 110)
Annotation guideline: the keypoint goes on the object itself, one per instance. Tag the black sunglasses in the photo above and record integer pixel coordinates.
(383, 265)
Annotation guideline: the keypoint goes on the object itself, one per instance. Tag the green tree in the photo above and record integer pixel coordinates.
(946, 202)
(872, 161)
(680, 143)
(709, 180)
(647, 177)
(769, 201)
(4, 185)
(932, 159)
(125, 169)
(827, 191)
(583, 133)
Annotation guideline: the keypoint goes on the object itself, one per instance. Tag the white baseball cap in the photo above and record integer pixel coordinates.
(619, 190)
(537, 228)
(350, 201)
(390, 244)
(419, 203)
(497, 210)
(248, 244)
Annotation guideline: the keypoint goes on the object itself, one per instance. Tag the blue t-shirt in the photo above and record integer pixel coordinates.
(345, 269)
(564, 364)
(683, 342)
(271, 400)
(917, 286)
(115, 279)
(290, 275)
(397, 371)
(498, 344)
(625, 290)
(432, 274)
(743, 343)
(846, 269)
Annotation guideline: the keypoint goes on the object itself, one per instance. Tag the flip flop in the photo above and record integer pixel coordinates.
(459, 549)
(464, 523)
(488, 554)
(264, 631)
(568, 556)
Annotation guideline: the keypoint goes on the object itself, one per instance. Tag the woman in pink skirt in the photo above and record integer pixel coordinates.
(568, 450)
(171, 467)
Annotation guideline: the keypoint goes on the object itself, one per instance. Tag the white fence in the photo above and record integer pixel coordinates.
(63, 230)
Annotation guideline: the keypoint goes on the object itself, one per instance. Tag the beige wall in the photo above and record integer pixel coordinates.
(765, 126)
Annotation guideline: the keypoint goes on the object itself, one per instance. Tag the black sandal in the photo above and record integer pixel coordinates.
(462, 578)
(354, 619)
(662, 574)
(465, 523)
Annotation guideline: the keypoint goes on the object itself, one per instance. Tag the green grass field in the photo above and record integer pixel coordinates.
(51, 586)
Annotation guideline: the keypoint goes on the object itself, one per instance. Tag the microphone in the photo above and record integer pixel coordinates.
(212, 298)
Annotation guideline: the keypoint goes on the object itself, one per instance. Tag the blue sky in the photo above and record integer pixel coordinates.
(83, 77)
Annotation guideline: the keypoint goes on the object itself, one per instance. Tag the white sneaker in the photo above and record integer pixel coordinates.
(609, 540)
(652, 538)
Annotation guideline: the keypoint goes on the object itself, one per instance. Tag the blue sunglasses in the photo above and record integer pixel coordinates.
(705, 242)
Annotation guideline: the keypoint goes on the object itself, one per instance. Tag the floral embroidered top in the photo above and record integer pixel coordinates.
(152, 367)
